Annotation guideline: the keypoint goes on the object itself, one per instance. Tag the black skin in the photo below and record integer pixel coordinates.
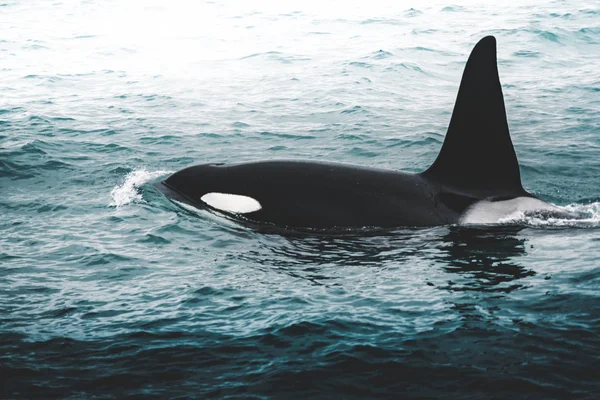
(477, 162)
(303, 194)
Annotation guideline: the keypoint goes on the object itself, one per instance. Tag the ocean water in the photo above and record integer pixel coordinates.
(110, 290)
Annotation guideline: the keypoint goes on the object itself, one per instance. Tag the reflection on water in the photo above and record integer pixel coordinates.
(486, 257)
(478, 258)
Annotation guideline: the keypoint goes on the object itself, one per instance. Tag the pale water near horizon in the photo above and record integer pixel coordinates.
(110, 290)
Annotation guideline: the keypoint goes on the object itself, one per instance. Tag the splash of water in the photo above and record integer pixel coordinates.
(127, 191)
(585, 216)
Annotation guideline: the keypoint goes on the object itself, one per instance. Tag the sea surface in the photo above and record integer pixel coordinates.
(110, 290)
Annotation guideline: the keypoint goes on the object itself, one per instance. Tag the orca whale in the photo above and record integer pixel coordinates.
(474, 179)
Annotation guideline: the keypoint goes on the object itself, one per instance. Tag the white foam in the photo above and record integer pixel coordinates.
(532, 212)
(234, 203)
(127, 192)
(582, 216)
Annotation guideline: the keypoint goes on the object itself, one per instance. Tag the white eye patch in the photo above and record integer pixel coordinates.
(234, 203)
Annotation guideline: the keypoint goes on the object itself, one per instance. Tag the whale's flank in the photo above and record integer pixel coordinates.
(476, 170)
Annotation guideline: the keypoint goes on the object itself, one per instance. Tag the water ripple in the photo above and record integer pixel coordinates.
(108, 289)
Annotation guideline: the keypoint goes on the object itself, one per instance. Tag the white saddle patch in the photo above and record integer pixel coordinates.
(234, 203)
(489, 212)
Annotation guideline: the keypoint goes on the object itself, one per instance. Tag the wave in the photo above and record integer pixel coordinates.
(127, 192)
(570, 216)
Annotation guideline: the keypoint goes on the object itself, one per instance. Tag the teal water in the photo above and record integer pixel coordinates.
(109, 290)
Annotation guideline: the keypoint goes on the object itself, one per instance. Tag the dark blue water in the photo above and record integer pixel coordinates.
(110, 290)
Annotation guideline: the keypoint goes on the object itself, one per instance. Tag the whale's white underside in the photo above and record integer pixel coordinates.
(489, 212)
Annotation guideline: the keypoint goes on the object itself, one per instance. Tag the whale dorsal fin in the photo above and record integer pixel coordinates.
(477, 157)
